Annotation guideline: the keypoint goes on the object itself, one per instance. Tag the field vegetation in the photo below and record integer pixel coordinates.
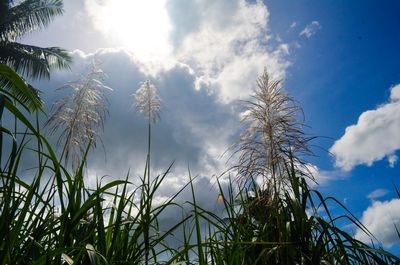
(271, 213)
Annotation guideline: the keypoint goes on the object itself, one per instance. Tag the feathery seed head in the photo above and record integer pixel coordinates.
(80, 115)
(147, 101)
(274, 136)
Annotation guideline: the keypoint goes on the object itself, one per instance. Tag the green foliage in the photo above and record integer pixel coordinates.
(18, 90)
(20, 19)
(282, 229)
(57, 217)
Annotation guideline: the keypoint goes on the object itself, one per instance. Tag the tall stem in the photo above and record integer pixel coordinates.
(39, 146)
(1, 133)
(148, 153)
(148, 206)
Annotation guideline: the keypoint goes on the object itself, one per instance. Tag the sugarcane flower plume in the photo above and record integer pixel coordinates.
(80, 115)
(274, 136)
(147, 101)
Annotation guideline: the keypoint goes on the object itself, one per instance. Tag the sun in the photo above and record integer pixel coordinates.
(142, 26)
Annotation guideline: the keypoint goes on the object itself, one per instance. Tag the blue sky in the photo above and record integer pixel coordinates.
(339, 59)
(347, 68)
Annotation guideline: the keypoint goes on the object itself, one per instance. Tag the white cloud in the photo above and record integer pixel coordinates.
(392, 159)
(319, 176)
(225, 50)
(293, 25)
(374, 137)
(322, 177)
(143, 27)
(378, 193)
(395, 93)
(310, 29)
(229, 50)
(380, 219)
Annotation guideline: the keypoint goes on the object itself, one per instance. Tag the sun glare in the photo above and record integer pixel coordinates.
(140, 26)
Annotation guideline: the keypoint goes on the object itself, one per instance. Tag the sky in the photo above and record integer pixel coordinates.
(338, 59)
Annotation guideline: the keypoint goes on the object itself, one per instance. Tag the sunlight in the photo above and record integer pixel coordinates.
(143, 27)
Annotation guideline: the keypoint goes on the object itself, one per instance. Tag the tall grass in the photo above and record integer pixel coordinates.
(80, 115)
(55, 218)
(290, 230)
(273, 136)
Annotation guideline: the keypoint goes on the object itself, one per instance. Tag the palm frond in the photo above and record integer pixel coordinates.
(28, 16)
(16, 88)
(31, 61)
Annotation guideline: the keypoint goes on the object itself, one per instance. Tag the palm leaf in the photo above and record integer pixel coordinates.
(27, 16)
(12, 85)
(32, 61)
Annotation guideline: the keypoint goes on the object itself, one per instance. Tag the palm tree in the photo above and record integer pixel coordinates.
(16, 20)
(19, 19)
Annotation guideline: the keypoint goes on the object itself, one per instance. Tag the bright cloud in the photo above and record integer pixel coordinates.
(374, 137)
(213, 57)
(225, 50)
(392, 159)
(310, 29)
(229, 51)
(322, 177)
(143, 27)
(380, 219)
